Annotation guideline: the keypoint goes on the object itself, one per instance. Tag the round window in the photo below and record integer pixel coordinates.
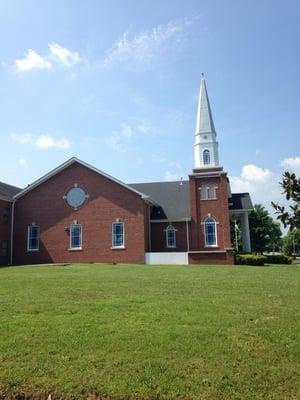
(76, 197)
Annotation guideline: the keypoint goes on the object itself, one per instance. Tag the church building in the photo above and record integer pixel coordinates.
(78, 213)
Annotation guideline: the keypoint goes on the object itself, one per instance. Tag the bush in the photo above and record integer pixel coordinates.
(278, 259)
(250, 259)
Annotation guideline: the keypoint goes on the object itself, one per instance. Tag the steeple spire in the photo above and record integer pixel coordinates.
(206, 145)
(205, 121)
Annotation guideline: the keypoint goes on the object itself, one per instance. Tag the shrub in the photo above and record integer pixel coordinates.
(250, 259)
(278, 259)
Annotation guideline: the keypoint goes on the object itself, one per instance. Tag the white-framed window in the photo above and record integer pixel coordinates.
(206, 157)
(171, 236)
(118, 234)
(33, 238)
(208, 192)
(75, 236)
(210, 231)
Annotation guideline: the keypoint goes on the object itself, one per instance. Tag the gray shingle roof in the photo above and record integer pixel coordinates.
(8, 190)
(173, 199)
(240, 201)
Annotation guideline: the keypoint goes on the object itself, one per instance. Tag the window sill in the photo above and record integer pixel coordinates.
(118, 248)
(215, 198)
(33, 251)
(171, 247)
(75, 249)
(214, 246)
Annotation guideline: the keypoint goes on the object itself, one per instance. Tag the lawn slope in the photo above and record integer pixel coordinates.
(150, 332)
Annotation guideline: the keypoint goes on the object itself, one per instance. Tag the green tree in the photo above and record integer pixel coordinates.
(291, 242)
(265, 233)
(291, 189)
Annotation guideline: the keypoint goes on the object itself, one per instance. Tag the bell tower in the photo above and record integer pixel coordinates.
(206, 145)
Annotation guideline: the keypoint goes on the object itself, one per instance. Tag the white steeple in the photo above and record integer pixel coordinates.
(206, 145)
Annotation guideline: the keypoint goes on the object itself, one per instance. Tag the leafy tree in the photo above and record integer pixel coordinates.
(291, 189)
(265, 233)
(291, 242)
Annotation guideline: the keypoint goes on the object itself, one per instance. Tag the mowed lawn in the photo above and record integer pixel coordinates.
(150, 332)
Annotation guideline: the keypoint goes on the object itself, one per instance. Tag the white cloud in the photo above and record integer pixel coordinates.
(126, 130)
(261, 183)
(146, 44)
(48, 142)
(22, 161)
(292, 163)
(56, 55)
(63, 55)
(21, 138)
(171, 176)
(252, 173)
(31, 61)
(41, 142)
(120, 139)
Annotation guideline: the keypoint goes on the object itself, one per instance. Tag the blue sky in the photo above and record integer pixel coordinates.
(115, 83)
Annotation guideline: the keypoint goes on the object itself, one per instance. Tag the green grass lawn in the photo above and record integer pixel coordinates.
(150, 332)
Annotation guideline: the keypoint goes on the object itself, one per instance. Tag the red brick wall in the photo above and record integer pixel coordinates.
(4, 231)
(158, 237)
(212, 258)
(107, 201)
(218, 209)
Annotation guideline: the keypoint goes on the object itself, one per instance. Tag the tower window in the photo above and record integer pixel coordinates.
(210, 231)
(208, 192)
(171, 236)
(206, 157)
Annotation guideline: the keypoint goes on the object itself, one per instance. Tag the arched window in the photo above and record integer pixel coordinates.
(210, 231)
(206, 157)
(208, 192)
(171, 236)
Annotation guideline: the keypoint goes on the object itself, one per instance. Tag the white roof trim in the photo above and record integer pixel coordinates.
(67, 164)
(5, 198)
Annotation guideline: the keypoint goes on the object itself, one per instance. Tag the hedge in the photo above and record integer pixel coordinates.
(250, 259)
(278, 259)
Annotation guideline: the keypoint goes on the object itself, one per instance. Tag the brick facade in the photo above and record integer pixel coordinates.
(219, 209)
(5, 225)
(108, 201)
(158, 237)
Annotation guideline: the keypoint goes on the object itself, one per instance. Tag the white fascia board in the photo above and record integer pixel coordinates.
(67, 164)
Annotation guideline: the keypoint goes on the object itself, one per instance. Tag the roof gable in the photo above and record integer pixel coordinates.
(68, 163)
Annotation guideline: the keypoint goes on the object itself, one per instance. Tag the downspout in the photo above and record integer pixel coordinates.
(187, 236)
(12, 232)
